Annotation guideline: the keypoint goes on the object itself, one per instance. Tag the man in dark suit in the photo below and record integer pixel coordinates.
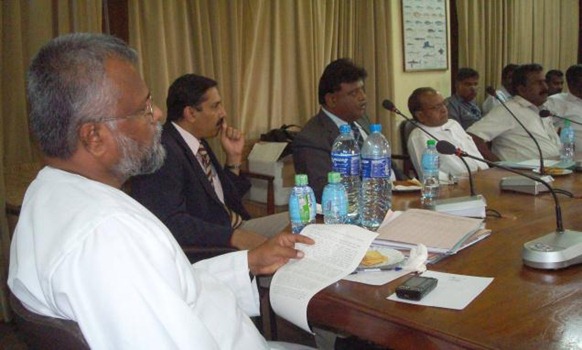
(198, 199)
(343, 100)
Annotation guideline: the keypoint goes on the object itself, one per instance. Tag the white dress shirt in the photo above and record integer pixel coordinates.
(453, 132)
(510, 141)
(339, 122)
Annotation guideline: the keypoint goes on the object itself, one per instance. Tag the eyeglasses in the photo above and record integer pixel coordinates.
(438, 107)
(148, 112)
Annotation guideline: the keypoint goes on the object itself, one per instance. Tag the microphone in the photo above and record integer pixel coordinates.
(544, 113)
(450, 204)
(445, 147)
(556, 250)
(491, 91)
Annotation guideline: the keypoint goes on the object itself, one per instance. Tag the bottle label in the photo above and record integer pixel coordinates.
(430, 163)
(304, 207)
(346, 164)
(376, 168)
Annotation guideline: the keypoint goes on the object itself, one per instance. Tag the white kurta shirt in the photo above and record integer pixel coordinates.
(568, 106)
(453, 132)
(87, 252)
(510, 141)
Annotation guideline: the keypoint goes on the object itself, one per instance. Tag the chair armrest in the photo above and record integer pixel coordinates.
(407, 167)
(270, 188)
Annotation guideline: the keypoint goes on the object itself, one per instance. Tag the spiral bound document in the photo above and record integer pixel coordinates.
(439, 232)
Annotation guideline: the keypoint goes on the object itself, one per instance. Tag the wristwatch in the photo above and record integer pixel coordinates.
(232, 166)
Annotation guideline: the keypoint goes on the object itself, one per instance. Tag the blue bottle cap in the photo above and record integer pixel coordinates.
(376, 127)
(345, 129)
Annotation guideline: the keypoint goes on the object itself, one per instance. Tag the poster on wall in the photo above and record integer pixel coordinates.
(424, 28)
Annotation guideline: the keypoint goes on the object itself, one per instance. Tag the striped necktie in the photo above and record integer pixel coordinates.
(235, 219)
(357, 134)
(203, 153)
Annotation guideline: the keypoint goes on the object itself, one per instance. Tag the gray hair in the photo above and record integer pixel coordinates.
(138, 159)
(67, 87)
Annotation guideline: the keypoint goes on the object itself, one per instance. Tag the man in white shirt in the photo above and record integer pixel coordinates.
(509, 140)
(569, 104)
(85, 251)
(503, 92)
(427, 107)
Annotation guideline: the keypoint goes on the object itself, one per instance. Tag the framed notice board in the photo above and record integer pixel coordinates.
(424, 28)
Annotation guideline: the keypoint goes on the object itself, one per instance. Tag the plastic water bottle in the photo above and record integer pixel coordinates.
(345, 158)
(568, 139)
(301, 204)
(376, 194)
(334, 200)
(430, 173)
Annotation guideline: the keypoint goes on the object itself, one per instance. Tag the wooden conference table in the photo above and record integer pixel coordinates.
(523, 308)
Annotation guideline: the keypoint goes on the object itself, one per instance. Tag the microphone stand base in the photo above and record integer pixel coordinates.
(524, 185)
(556, 250)
(471, 206)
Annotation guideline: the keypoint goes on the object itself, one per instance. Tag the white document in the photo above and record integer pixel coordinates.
(452, 291)
(337, 251)
(376, 278)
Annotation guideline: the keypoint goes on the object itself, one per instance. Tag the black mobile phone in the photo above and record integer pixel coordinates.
(416, 287)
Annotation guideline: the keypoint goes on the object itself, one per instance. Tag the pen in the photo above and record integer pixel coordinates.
(377, 269)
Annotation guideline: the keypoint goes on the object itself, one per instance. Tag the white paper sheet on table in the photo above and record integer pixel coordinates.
(377, 278)
(452, 291)
(337, 251)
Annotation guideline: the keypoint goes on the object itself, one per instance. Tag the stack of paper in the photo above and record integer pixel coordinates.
(439, 232)
(470, 206)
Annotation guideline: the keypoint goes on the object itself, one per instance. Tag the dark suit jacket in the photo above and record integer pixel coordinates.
(312, 150)
(181, 196)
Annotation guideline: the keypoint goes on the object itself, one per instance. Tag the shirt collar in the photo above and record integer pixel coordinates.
(191, 140)
(525, 103)
(337, 120)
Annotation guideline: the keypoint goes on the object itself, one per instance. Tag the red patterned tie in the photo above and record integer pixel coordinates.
(235, 219)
